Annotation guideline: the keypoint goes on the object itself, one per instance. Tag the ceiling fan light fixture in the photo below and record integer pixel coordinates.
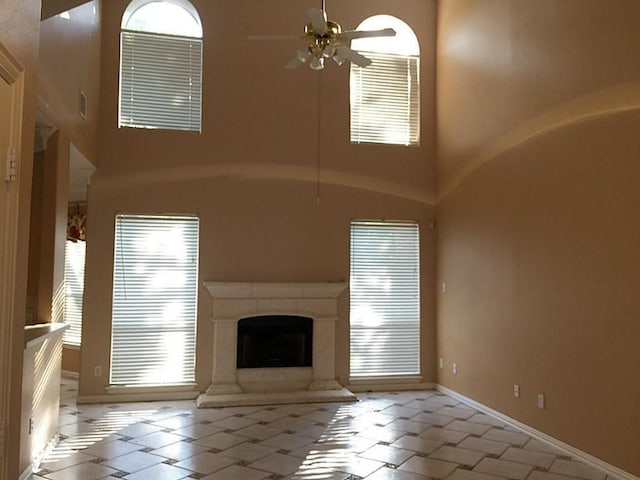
(303, 55)
(339, 59)
(317, 63)
(329, 50)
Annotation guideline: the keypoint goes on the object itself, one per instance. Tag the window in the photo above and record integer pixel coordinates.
(74, 256)
(155, 281)
(161, 66)
(385, 96)
(385, 299)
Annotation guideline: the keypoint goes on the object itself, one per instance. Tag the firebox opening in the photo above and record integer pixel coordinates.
(271, 341)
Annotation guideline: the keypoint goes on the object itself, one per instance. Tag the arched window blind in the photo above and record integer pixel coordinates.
(385, 299)
(385, 96)
(155, 282)
(161, 66)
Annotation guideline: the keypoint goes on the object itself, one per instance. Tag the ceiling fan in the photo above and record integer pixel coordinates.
(327, 40)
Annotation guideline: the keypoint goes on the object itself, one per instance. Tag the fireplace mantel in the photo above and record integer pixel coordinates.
(234, 301)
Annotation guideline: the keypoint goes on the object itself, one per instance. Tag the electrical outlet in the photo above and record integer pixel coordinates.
(97, 371)
(441, 362)
(455, 368)
(540, 400)
(516, 391)
(443, 287)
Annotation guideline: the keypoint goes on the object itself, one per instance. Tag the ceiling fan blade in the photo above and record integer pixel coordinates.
(293, 63)
(353, 56)
(274, 37)
(318, 20)
(353, 34)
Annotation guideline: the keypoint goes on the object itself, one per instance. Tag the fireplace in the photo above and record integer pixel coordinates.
(272, 341)
(247, 368)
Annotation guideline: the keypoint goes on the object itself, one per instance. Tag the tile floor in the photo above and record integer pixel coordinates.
(396, 436)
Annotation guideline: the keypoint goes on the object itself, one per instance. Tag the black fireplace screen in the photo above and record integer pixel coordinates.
(271, 341)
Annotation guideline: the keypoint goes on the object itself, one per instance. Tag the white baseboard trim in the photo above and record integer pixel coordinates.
(26, 474)
(389, 387)
(137, 397)
(584, 457)
(69, 374)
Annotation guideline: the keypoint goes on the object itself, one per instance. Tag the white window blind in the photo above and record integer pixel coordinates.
(160, 81)
(154, 300)
(385, 101)
(385, 299)
(74, 256)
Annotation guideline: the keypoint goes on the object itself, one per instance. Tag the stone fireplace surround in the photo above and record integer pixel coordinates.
(232, 301)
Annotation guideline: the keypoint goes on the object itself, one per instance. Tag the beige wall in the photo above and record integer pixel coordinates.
(70, 62)
(19, 25)
(538, 226)
(251, 174)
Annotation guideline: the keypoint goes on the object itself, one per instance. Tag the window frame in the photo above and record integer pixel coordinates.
(394, 314)
(138, 323)
(384, 97)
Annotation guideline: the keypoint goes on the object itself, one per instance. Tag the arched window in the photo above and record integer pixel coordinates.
(385, 96)
(161, 66)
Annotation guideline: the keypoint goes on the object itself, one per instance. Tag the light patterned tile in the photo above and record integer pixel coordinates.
(179, 450)
(221, 441)
(197, 430)
(234, 423)
(161, 471)
(444, 435)
(206, 463)
(157, 439)
(417, 444)
(357, 465)
(502, 468)
(530, 457)
(112, 449)
(176, 422)
(387, 454)
(258, 432)
(469, 427)
(486, 420)
(248, 452)
(381, 434)
(139, 430)
(457, 455)
(484, 445)
(266, 415)
(514, 438)
(236, 472)
(462, 474)
(84, 471)
(286, 441)
(408, 426)
(132, 462)
(433, 419)
(428, 467)
(539, 446)
(537, 475)
(457, 412)
(576, 469)
(390, 474)
(57, 461)
(404, 412)
(278, 464)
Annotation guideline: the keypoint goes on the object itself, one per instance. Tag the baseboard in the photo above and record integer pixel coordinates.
(26, 475)
(137, 397)
(389, 387)
(69, 374)
(584, 457)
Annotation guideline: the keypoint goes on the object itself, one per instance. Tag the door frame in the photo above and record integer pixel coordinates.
(11, 318)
